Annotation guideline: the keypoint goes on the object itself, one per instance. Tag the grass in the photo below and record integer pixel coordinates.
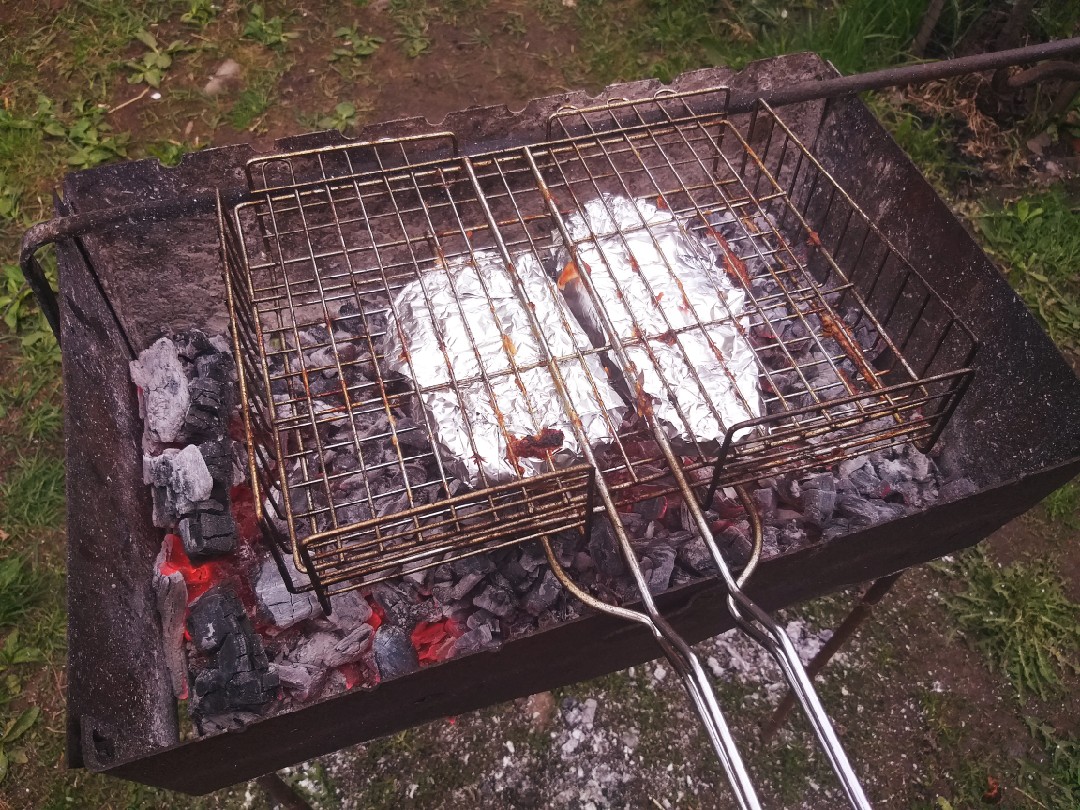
(1063, 506)
(1037, 238)
(1020, 618)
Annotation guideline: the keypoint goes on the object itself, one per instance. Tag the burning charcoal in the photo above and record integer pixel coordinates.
(206, 534)
(282, 608)
(394, 652)
(348, 610)
(207, 412)
(394, 603)
(209, 691)
(351, 647)
(868, 512)
(160, 376)
(475, 640)
(957, 489)
(543, 594)
(302, 680)
(495, 600)
(219, 461)
(171, 595)
(212, 618)
(477, 563)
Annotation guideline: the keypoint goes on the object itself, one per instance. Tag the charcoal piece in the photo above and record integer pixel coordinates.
(694, 556)
(217, 366)
(235, 654)
(495, 600)
(206, 534)
(735, 546)
(349, 610)
(543, 594)
(159, 373)
(476, 564)
(212, 617)
(301, 679)
(582, 562)
(765, 501)
(770, 541)
(171, 595)
(218, 458)
(192, 343)
(791, 534)
(465, 585)
(475, 640)
(394, 652)
(179, 478)
(789, 491)
(956, 489)
(480, 617)
(908, 492)
(605, 551)
(868, 512)
(517, 575)
(351, 647)
(922, 466)
(531, 557)
(819, 504)
(893, 471)
(278, 605)
(867, 483)
(250, 690)
(208, 693)
(662, 557)
(394, 603)
(836, 528)
(821, 481)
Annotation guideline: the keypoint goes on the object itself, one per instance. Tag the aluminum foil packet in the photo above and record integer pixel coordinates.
(513, 441)
(655, 279)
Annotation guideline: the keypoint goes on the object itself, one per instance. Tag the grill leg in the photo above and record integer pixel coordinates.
(280, 794)
(863, 608)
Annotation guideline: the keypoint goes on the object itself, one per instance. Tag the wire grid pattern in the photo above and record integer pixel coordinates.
(814, 270)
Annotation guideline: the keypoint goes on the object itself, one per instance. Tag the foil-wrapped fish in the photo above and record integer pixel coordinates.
(509, 426)
(680, 318)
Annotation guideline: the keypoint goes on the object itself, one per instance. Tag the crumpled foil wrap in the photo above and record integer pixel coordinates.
(644, 266)
(519, 445)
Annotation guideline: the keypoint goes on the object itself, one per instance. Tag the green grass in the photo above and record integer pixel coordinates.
(1037, 238)
(21, 589)
(32, 495)
(1056, 780)
(926, 142)
(663, 38)
(1063, 506)
(1020, 618)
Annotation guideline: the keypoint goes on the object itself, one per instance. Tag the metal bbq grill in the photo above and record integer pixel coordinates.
(382, 214)
(304, 252)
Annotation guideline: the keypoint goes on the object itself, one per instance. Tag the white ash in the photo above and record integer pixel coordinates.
(171, 594)
(184, 476)
(164, 385)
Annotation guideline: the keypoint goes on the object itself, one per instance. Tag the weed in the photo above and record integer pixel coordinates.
(356, 45)
(151, 68)
(15, 728)
(268, 31)
(1057, 781)
(32, 496)
(1063, 506)
(20, 589)
(1020, 618)
(255, 99)
(1038, 239)
(170, 152)
(345, 115)
(200, 13)
(411, 22)
(514, 24)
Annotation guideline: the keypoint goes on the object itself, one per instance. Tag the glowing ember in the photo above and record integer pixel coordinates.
(199, 578)
(435, 640)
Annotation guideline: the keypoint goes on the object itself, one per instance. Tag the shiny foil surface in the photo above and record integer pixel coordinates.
(460, 331)
(679, 315)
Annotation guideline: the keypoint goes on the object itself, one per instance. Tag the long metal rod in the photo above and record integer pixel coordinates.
(743, 100)
(862, 610)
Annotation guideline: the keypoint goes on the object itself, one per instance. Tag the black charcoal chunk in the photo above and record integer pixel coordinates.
(212, 617)
(543, 594)
(394, 653)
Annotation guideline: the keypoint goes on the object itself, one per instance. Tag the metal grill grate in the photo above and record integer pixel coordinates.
(326, 257)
